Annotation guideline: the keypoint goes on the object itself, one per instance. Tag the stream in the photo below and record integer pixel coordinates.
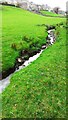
(50, 40)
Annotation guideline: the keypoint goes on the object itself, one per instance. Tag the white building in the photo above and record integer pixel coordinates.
(33, 7)
(62, 12)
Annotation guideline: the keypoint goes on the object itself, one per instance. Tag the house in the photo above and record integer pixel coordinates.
(33, 7)
(45, 7)
(61, 12)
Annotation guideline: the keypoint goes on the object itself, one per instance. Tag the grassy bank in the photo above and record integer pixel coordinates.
(39, 90)
(20, 31)
(47, 13)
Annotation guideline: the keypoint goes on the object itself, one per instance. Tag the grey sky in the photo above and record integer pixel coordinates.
(52, 3)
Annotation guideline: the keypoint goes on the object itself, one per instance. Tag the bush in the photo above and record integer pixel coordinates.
(26, 38)
(14, 46)
(23, 45)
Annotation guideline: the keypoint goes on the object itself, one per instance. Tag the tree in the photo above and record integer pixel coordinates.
(56, 10)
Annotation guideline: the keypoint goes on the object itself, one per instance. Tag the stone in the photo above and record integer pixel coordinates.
(44, 46)
(19, 60)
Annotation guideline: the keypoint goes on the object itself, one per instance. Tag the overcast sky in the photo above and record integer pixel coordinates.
(52, 3)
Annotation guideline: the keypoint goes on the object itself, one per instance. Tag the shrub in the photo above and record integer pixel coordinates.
(22, 45)
(14, 46)
(26, 38)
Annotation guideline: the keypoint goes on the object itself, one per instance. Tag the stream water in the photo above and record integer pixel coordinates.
(50, 40)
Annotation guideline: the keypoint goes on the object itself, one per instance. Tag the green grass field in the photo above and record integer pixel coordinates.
(39, 90)
(50, 14)
(17, 25)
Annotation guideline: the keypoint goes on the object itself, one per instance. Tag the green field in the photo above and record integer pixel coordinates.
(19, 24)
(39, 90)
(47, 13)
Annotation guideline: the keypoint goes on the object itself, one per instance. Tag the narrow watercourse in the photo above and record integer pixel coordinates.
(21, 63)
